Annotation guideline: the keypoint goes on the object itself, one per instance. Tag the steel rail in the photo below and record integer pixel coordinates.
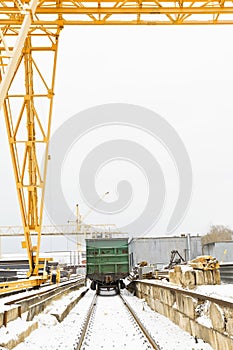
(132, 313)
(62, 285)
(86, 323)
(140, 324)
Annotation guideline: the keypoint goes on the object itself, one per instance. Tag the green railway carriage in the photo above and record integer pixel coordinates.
(107, 263)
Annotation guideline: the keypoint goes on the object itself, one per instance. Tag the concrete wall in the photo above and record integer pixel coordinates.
(157, 250)
(223, 251)
(188, 312)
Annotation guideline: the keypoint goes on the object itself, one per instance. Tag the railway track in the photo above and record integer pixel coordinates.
(51, 290)
(112, 323)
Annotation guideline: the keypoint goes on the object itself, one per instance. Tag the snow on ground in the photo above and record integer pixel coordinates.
(222, 291)
(112, 327)
(6, 299)
(13, 330)
(52, 335)
(168, 335)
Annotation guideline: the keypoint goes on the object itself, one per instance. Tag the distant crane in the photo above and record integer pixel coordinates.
(82, 227)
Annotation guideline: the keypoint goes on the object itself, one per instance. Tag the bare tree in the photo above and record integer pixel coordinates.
(217, 233)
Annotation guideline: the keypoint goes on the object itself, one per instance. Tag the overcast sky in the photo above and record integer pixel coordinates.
(185, 74)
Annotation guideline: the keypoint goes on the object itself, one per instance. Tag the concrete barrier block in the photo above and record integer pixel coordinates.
(158, 307)
(172, 277)
(19, 338)
(60, 317)
(223, 342)
(208, 277)
(184, 323)
(151, 303)
(199, 277)
(142, 289)
(217, 317)
(205, 333)
(12, 313)
(190, 305)
(180, 302)
(1, 318)
(169, 297)
(151, 291)
(188, 279)
(228, 312)
(166, 310)
(216, 277)
(177, 268)
(155, 292)
(146, 289)
(161, 294)
(178, 278)
(175, 316)
(229, 326)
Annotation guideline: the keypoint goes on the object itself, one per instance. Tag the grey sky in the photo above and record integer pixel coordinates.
(185, 75)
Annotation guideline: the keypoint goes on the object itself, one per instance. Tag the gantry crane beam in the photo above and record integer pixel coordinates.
(107, 12)
(29, 32)
(60, 229)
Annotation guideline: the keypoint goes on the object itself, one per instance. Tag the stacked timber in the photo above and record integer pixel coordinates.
(200, 271)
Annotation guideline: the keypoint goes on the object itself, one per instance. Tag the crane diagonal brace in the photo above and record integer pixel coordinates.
(14, 56)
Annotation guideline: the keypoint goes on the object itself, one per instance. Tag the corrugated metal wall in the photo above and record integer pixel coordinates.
(157, 250)
(223, 251)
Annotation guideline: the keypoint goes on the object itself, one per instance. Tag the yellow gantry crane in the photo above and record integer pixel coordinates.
(29, 33)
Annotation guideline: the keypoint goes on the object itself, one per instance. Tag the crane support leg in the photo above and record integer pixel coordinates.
(28, 110)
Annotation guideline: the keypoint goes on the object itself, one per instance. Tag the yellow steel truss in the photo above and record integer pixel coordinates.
(28, 125)
(29, 32)
(104, 12)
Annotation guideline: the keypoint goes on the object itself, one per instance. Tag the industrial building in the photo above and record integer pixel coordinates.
(157, 250)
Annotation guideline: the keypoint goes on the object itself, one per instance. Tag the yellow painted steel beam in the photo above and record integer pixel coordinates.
(9, 57)
(108, 12)
(7, 287)
(28, 127)
(131, 10)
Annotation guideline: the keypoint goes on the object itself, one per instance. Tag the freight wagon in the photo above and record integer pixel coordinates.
(107, 263)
